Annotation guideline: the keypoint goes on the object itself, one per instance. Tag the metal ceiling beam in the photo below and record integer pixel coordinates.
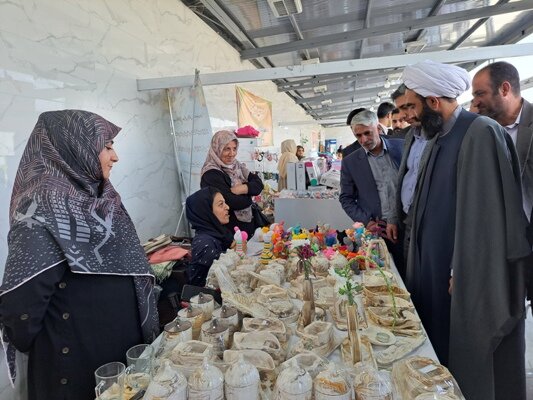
(335, 108)
(381, 30)
(342, 95)
(299, 33)
(316, 82)
(334, 67)
(297, 123)
(323, 79)
(472, 29)
(347, 18)
(434, 10)
(314, 79)
(365, 26)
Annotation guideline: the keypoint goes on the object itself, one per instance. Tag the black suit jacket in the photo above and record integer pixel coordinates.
(350, 149)
(359, 194)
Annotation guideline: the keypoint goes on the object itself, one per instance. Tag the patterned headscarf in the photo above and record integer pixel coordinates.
(63, 209)
(237, 172)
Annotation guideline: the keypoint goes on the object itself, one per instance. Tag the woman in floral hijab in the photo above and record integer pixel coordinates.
(222, 171)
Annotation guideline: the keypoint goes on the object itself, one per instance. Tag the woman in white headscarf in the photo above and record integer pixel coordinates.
(288, 155)
(221, 170)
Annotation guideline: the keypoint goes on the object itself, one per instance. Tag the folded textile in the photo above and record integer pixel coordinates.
(162, 270)
(169, 253)
(156, 243)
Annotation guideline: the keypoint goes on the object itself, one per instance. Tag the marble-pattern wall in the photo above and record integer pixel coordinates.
(57, 54)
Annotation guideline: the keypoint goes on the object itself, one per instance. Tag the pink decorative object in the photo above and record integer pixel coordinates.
(329, 253)
(247, 132)
(240, 238)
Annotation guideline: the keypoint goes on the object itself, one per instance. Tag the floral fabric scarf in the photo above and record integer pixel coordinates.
(62, 209)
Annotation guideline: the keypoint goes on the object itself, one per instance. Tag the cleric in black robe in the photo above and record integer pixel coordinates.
(468, 223)
(77, 291)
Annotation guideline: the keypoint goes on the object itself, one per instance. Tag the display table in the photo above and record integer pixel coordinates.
(307, 212)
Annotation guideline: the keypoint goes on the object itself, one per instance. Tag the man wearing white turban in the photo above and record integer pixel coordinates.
(468, 223)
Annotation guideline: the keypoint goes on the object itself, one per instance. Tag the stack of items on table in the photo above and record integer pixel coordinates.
(169, 256)
(283, 317)
(309, 194)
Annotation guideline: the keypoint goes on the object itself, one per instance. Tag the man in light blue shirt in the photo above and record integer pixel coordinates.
(415, 152)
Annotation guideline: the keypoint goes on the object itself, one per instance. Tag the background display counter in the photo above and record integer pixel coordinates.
(307, 212)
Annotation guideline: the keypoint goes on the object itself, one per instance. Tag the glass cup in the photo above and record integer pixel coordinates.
(139, 371)
(110, 381)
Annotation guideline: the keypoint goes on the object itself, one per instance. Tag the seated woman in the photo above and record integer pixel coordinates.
(288, 155)
(208, 215)
(222, 171)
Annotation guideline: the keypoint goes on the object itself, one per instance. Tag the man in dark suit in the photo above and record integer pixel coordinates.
(385, 118)
(369, 180)
(400, 127)
(496, 91)
(355, 145)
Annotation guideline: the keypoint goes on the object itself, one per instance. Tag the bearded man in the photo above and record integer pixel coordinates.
(468, 223)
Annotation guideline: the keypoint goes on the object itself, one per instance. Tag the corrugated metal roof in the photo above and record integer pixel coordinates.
(335, 30)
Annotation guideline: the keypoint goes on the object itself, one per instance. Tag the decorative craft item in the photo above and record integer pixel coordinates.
(284, 310)
(260, 359)
(398, 350)
(229, 316)
(318, 331)
(403, 322)
(370, 384)
(307, 315)
(191, 352)
(294, 383)
(195, 316)
(217, 334)
(332, 385)
(266, 254)
(206, 383)
(242, 381)
(367, 352)
(417, 376)
(379, 336)
(271, 325)
(353, 332)
(240, 238)
(167, 384)
(309, 361)
(259, 341)
(174, 332)
(377, 250)
(246, 304)
(206, 303)
(247, 131)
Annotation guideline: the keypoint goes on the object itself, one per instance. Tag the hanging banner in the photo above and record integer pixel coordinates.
(257, 112)
(192, 133)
